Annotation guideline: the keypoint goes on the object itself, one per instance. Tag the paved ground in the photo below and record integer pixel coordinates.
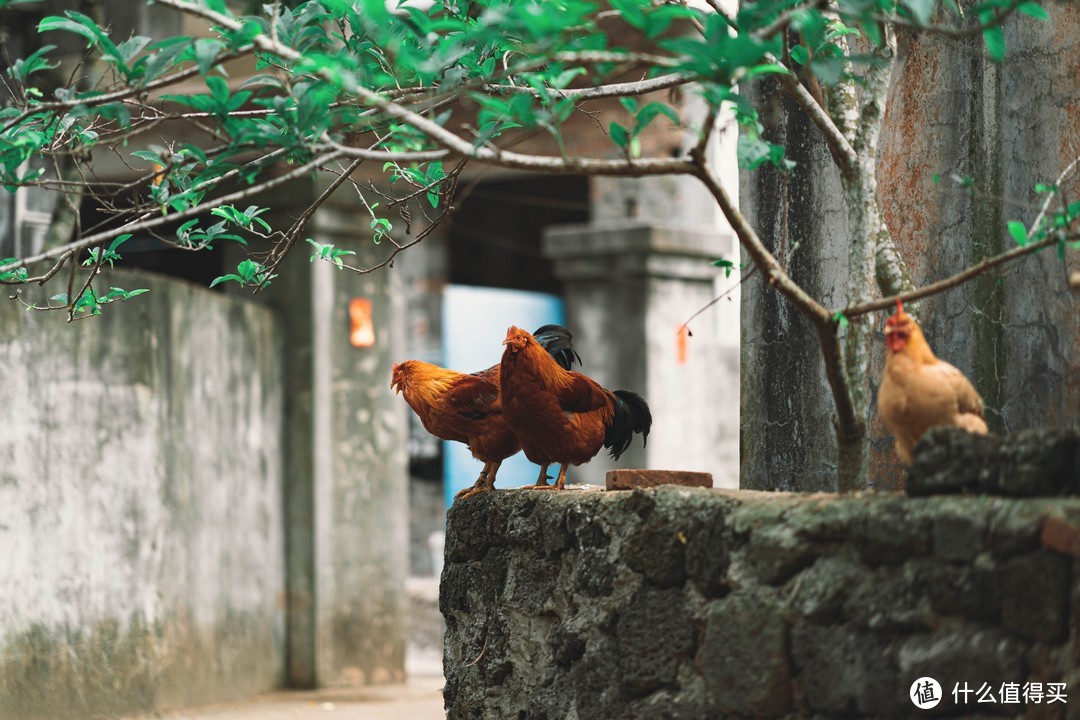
(420, 699)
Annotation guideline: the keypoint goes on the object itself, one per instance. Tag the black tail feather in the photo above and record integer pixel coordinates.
(557, 340)
(631, 416)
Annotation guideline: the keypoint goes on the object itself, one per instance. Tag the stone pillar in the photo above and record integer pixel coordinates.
(346, 507)
(629, 286)
(361, 506)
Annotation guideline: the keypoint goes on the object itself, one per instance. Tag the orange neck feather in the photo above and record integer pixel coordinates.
(917, 348)
(545, 367)
(425, 383)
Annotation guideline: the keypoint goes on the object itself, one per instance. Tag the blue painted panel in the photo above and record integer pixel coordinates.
(474, 324)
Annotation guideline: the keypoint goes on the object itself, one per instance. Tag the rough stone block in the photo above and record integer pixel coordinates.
(890, 532)
(655, 636)
(1062, 533)
(707, 557)
(819, 592)
(844, 672)
(958, 536)
(1038, 462)
(641, 479)
(744, 656)
(1030, 463)
(964, 654)
(889, 598)
(657, 550)
(773, 554)
(1015, 527)
(950, 460)
(658, 603)
(965, 591)
(1035, 594)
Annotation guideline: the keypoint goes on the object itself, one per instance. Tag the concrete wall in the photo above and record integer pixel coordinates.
(140, 505)
(1009, 126)
(1015, 333)
(695, 603)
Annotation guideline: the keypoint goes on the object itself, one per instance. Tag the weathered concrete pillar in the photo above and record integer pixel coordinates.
(346, 506)
(787, 410)
(630, 285)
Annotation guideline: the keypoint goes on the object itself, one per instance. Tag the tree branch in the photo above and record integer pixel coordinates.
(763, 259)
(97, 238)
(957, 279)
(976, 270)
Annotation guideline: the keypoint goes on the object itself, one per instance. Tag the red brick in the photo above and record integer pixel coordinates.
(1062, 534)
(630, 479)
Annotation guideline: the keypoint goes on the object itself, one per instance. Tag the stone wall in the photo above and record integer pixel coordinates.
(693, 603)
(141, 546)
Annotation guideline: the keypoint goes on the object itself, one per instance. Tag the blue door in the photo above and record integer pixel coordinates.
(474, 325)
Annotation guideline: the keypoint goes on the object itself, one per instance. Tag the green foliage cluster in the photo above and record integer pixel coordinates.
(413, 86)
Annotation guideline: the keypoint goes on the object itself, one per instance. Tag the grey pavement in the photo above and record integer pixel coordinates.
(419, 699)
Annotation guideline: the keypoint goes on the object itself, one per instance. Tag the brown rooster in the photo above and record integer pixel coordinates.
(919, 391)
(561, 416)
(466, 408)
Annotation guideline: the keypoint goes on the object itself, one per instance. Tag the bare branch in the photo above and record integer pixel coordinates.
(975, 270)
(765, 261)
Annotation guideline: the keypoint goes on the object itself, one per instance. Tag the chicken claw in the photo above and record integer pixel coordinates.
(485, 482)
(560, 483)
(542, 481)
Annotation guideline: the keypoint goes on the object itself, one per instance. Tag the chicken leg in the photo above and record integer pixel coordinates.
(560, 482)
(542, 481)
(485, 482)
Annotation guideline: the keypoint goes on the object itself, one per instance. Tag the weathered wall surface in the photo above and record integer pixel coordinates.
(140, 505)
(787, 409)
(1008, 126)
(1015, 332)
(693, 603)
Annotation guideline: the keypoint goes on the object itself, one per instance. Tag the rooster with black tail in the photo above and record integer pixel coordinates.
(466, 408)
(561, 416)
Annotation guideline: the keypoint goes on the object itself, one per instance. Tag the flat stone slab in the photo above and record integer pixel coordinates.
(631, 479)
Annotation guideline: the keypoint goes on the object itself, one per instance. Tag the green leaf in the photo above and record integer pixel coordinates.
(1033, 9)
(995, 42)
(206, 52)
(840, 319)
(1018, 232)
(619, 135)
(36, 62)
(726, 264)
(18, 274)
(800, 54)
(649, 113)
(227, 278)
(165, 58)
(921, 10)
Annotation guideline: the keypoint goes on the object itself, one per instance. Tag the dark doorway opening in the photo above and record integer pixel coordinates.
(495, 238)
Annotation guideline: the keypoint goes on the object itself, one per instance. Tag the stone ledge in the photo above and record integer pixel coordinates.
(660, 602)
(1031, 463)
